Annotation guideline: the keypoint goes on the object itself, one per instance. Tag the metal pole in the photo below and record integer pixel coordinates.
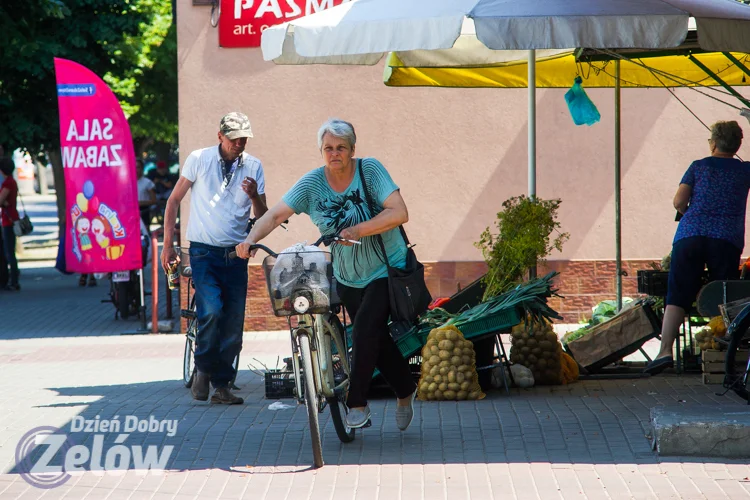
(532, 133)
(143, 303)
(618, 220)
(532, 122)
(154, 284)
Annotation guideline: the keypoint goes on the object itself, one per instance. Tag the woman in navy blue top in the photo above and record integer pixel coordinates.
(713, 199)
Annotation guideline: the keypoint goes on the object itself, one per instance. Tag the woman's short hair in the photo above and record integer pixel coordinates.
(337, 128)
(7, 166)
(727, 136)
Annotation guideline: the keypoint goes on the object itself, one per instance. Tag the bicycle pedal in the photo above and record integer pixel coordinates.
(187, 314)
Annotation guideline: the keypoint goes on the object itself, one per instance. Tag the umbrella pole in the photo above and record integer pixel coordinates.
(532, 133)
(532, 122)
(618, 220)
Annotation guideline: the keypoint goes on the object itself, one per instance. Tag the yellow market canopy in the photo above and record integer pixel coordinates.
(559, 71)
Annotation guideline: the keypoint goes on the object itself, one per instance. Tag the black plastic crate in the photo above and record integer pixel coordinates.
(279, 385)
(652, 282)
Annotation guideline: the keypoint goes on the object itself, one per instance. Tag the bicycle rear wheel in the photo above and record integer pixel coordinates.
(311, 399)
(738, 382)
(122, 299)
(188, 361)
(337, 403)
(236, 366)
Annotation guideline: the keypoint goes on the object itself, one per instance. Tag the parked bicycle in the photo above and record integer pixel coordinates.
(125, 286)
(191, 332)
(300, 285)
(737, 338)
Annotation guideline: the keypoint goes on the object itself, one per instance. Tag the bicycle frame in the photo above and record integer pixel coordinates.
(316, 327)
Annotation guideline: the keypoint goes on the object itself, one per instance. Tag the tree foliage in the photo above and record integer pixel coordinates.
(130, 43)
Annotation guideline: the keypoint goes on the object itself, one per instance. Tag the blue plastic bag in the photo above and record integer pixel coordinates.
(581, 108)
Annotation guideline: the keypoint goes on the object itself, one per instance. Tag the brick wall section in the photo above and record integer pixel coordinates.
(582, 284)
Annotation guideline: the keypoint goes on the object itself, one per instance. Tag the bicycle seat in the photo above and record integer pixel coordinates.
(187, 272)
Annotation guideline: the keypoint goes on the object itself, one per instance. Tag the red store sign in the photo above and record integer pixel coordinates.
(242, 21)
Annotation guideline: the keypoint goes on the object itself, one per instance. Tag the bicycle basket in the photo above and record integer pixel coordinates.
(300, 282)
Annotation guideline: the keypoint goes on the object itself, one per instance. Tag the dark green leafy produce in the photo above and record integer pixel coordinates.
(530, 298)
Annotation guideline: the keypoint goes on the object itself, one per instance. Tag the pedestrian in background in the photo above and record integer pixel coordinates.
(146, 194)
(712, 197)
(9, 214)
(4, 268)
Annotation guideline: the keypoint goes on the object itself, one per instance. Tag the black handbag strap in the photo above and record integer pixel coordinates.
(371, 205)
(18, 194)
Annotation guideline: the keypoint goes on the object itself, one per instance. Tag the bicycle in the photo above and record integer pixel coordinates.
(300, 285)
(191, 333)
(735, 338)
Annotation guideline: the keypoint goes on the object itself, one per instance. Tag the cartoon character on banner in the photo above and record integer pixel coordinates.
(89, 223)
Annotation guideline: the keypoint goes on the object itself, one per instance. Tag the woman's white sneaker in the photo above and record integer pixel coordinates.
(405, 414)
(358, 418)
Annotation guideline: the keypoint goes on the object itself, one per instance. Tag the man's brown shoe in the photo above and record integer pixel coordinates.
(222, 396)
(200, 386)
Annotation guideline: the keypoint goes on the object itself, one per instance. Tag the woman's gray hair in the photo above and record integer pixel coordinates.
(337, 128)
(727, 136)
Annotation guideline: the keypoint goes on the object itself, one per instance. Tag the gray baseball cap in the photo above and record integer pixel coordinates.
(235, 125)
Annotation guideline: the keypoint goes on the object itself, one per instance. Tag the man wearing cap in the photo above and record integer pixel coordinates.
(226, 183)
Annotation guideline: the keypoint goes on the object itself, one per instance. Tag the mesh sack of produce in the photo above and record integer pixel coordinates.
(705, 340)
(706, 337)
(717, 326)
(449, 371)
(534, 344)
(570, 372)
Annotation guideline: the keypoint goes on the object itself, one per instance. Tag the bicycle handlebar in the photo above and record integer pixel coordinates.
(256, 246)
(326, 240)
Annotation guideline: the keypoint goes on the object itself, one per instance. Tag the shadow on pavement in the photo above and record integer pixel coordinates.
(51, 304)
(588, 422)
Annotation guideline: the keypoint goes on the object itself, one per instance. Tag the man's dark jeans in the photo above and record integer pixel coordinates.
(220, 291)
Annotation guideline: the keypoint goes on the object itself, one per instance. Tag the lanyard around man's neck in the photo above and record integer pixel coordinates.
(227, 171)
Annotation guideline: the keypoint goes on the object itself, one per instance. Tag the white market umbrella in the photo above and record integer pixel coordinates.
(363, 31)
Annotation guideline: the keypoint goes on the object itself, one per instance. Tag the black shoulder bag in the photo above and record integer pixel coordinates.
(23, 225)
(409, 295)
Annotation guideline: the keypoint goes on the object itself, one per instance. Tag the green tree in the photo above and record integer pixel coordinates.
(126, 42)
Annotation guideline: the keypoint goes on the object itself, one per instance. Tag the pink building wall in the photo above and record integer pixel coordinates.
(457, 154)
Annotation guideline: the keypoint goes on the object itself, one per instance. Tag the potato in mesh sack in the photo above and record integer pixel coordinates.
(449, 371)
(534, 344)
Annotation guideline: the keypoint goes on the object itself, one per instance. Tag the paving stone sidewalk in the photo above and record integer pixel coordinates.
(51, 304)
(585, 440)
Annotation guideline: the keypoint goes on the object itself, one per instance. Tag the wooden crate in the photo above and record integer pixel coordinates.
(713, 364)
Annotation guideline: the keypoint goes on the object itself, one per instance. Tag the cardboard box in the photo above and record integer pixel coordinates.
(616, 338)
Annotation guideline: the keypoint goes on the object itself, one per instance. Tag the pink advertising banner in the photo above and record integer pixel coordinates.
(103, 226)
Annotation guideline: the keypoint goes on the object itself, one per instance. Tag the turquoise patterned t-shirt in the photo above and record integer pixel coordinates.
(356, 265)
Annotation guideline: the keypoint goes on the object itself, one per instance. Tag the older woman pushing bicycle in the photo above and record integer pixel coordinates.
(334, 198)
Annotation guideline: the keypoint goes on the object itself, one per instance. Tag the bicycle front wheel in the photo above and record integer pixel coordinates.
(340, 369)
(311, 399)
